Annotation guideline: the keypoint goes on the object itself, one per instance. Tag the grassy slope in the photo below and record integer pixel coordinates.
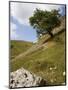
(42, 60)
(19, 47)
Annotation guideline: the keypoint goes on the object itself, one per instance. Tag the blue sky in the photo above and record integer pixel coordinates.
(20, 28)
(23, 32)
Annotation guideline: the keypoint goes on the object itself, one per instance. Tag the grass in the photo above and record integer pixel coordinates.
(18, 47)
(49, 63)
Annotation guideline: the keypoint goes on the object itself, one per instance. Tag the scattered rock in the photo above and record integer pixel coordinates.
(63, 83)
(23, 78)
(63, 73)
(51, 68)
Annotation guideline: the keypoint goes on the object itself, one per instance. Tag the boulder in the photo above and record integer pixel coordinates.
(24, 78)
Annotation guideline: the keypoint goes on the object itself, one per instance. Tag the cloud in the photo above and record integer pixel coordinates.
(13, 34)
(21, 32)
(22, 11)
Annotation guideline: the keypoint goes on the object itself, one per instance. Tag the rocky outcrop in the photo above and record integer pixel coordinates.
(24, 78)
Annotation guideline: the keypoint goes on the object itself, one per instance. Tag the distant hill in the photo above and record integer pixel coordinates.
(18, 47)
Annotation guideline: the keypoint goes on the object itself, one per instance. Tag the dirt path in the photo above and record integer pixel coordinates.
(30, 50)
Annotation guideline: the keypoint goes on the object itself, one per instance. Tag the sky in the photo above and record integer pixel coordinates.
(20, 28)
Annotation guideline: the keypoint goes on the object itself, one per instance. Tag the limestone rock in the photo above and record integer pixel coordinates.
(23, 78)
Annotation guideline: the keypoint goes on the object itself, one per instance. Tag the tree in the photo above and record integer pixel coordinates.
(45, 21)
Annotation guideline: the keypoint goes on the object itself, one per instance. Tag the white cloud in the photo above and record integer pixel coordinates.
(22, 11)
(48, 6)
(13, 34)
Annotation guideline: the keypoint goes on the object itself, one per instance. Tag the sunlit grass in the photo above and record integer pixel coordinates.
(49, 63)
(18, 47)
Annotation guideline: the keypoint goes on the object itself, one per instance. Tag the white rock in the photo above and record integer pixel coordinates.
(63, 73)
(50, 68)
(40, 34)
(63, 83)
(23, 78)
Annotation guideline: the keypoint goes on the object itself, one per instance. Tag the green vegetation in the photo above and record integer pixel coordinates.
(45, 21)
(18, 47)
(47, 62)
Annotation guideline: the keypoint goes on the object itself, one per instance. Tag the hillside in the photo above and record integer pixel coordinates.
(48, 62)
(18, 47)
(46, 58)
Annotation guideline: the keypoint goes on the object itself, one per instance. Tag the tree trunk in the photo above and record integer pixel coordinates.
(50, 33)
